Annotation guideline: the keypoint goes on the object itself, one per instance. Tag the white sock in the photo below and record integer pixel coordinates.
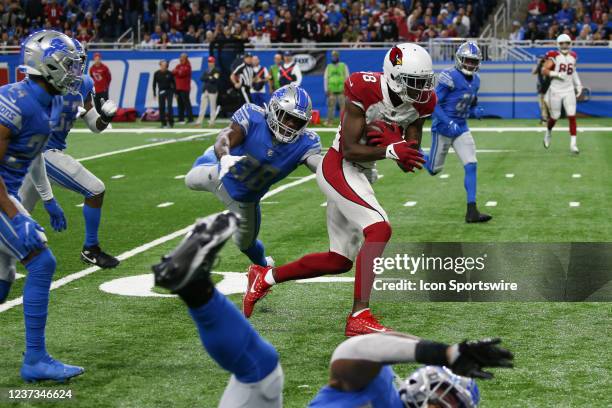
(269, 278)
(572, 140)
(360, 312)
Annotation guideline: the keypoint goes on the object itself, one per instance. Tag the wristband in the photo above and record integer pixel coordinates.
(431, 353)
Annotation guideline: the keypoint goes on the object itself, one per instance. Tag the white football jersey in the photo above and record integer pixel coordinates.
(566, 64)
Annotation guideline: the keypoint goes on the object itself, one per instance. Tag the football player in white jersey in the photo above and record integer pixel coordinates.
(564, 87)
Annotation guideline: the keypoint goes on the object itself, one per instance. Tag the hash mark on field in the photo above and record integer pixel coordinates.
(80, 205)
(574, 204)
(180, 176)
(510, 175)
(142, 248)
(491, 204)
(576, 175)
(19, 276)
(118, 176)
(444, 176)
(410, 203)
(324, 204)
(166, 204)
(270, 202)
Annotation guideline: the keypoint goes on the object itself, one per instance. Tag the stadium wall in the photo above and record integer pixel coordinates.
(508, 89)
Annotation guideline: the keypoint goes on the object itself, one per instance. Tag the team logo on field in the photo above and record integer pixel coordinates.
(395, 56)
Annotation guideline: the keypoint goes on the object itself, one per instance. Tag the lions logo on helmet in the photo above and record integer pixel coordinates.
(395, 56)
(468, 58)
(288, 113)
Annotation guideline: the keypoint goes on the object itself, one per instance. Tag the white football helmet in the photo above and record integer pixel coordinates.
(438, 386)
(564, 42)
(53, 56)
(409, 72)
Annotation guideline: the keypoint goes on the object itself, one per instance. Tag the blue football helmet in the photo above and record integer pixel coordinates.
(439, 386)
(288, 113)
(54, 57)
(468, 58)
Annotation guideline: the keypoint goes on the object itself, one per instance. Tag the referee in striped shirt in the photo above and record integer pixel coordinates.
(242, 77)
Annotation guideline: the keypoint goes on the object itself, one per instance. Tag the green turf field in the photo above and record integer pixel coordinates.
(144, 351)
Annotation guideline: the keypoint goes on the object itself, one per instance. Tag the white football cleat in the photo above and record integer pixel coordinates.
(547, 138)
(574, 149)
(270, 261)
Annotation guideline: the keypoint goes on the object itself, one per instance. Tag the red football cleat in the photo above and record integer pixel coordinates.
(257, 288)
(363, 323)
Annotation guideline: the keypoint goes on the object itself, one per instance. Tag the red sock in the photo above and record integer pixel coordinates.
(572, 125)
(551, 123)
(313, 265)
(376, 237)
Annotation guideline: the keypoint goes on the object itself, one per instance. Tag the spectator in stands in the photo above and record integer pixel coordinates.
(585, 33)
(176, 15)
(462, 23)
(536, 7)
(34, 12)
(565, 16)
(111, 17)
(274, 72)
(191, 36)
(260, 39)
(517, 33)
(175, 36)
(287, 29)
(163, 86)
(182, 77)
(533, 33)
(194, 16)
(157, 34)
(333, 83)
(309, 28)
(289, 72)
(261, 76)
(53, 12)
(101, 76)
(211, 79)
(84, 37)
(586, 21)
(388, 29)
(147, 42)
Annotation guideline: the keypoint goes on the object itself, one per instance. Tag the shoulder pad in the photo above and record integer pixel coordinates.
(573, 54)
(363, 88)
(552, 54)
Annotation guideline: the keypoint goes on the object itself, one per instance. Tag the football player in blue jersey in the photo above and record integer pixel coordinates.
(69, 173)
(28, 111)
(457, 92)
(259, 148)
(360, 368)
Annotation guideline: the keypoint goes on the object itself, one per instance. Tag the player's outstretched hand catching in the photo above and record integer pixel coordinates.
(227, 162)
(108, 110)
(381, 133)
(56, 215)
(27, 230)
(406, 154)
(470, 357)
(478, 112)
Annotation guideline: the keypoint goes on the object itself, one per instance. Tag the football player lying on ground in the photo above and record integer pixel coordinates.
(28, 111)
(361, 373)
(66, 171)
(383, 119)
(259, 148)
(457, 93)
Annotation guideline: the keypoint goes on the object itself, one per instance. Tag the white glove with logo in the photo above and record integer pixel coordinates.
(227, 162)
(108, 111)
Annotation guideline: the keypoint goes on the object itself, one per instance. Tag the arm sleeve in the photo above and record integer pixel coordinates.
(10, 115)
(242, 117)
(38, 172)
(314, 148)
(576, 80)
(298, 75)
(378, 348)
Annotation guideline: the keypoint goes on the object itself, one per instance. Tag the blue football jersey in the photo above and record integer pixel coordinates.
(30, 113)
(267, 160)
(380, 393)
(456, 95)
(69, 114)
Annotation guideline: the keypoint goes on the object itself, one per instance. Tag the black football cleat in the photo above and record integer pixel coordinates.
(473, 215)
(194, 257)
(95, 256)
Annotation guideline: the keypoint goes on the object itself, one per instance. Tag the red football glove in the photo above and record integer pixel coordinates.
(406, 154)
(381, 133)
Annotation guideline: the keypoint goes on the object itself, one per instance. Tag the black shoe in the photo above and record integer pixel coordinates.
(473, 215)
(95, 256)
(192, 260)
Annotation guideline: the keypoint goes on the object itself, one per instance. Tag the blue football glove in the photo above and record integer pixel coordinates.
(478, 112)
(453, 129)
(27, 230)
(56, 214)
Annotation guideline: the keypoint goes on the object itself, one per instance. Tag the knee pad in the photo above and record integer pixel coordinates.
(379, 232)
(96, 188)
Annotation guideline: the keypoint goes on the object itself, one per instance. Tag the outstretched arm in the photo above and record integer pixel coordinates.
(229, 137)
(97, 122)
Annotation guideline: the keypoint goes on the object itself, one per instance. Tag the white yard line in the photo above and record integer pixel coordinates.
(491, 204)
(510, 175)
(143, 248)
(574, 204)
(118, 176)
(144, 146)
(576, 175)
(410, 203)
(166, 204)
(444, 176)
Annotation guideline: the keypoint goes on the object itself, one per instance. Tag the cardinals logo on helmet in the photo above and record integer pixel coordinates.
(396, 56)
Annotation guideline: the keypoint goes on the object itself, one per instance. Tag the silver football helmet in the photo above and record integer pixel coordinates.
(54, 57)
(468, 58)
(288, 113)
(82, 54)
(438, 386)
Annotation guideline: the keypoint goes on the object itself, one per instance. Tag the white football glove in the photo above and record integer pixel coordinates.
(227, 162)
(559, 75)
(108, 111)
